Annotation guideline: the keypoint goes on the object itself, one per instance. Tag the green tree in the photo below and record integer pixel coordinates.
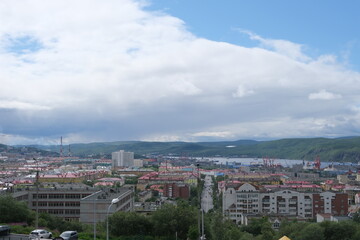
(291, 229)
(337, 231)
(232, 232)
(193, 199)
(171, 219)
(129, 224)
(356, 217)
(222, 229)
(267, 232)
(217, 226)
(14, 211)
(193, 233)
(311, 232)
(255, 226)
(247, 236)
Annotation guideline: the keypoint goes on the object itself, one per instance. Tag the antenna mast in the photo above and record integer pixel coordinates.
(69, 151)
(61, 147)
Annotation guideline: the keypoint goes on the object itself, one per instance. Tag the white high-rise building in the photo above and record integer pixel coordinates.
(122, 159)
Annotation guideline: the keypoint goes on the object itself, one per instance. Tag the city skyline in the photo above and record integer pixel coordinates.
(177, 70)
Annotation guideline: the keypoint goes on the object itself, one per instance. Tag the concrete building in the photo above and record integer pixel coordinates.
(287, 202)
(242, 200)
(138, 163)
(122, 159)
(95, 207)
(66, 201)
(59, 200)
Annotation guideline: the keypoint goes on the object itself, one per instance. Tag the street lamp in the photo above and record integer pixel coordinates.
(199, 199)
(115, 200)
(94, 218)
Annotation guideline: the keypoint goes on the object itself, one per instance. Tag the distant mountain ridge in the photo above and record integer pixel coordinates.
(26, 150)
(334, 149)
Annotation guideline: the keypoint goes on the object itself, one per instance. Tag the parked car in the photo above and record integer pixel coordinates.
(4, 230)
(69, 235)
(40, 233)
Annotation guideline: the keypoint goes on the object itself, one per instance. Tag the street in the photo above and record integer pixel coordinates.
(206, 195)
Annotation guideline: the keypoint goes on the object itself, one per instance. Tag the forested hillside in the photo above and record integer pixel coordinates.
(339, 149)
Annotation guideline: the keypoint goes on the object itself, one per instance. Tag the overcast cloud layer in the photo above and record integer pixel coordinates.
(93, 70)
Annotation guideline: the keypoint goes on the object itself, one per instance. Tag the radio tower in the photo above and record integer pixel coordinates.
(61, 147)
(69, 151)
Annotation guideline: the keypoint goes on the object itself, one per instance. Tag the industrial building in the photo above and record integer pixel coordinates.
(75, 202)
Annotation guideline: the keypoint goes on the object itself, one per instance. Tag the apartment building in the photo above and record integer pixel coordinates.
(241, 200)
(122, 159)
(173, 190)
(287, 202)
(330, 203)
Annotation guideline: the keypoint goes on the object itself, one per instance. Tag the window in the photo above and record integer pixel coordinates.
(56, 211)
(276, 224)
(75, 196)
(56, 204)
(72, 211)
(40, 196)
(72, 204)
(56, 196)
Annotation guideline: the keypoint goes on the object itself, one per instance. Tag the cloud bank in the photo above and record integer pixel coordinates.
(92, 70)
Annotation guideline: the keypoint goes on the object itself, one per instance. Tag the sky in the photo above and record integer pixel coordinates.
(178, 70)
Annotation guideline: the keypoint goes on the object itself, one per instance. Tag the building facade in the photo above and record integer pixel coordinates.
(242, 200)
(122, 159)
(95, 207)
(173, 190)
(70, 202)
(330, 203)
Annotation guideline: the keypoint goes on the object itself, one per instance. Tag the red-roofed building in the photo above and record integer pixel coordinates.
(166, 177)
(76, 177)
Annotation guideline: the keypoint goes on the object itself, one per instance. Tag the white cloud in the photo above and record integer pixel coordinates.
(223, 134)
(323, 95)
(111, 70)
(163, 138)
(185, 87)
(283, 47)
(242, 92)
(21, 105)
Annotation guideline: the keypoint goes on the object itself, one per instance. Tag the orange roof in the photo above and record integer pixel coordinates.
(284, 238)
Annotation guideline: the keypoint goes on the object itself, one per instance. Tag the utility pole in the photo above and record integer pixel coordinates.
(199, 199)
(37, 195)
(94, 217)
(202, 224)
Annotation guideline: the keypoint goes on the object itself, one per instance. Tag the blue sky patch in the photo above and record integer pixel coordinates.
(23, 45)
